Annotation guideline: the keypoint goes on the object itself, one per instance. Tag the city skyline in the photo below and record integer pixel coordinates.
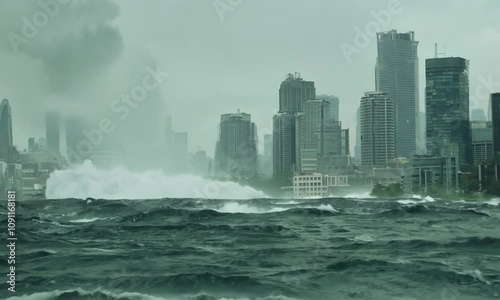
(326, 65)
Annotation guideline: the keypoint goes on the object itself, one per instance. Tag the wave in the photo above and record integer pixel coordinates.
(104, 294)
(86, 181)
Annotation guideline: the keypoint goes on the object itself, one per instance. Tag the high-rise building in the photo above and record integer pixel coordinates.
(377, 130)
(52, 130)
(6, 139)
(397, 76)
(236, 150)
(345, 142)
(294, 91)
(334, 105)
(495, 120)
(447, 107)
(482, 141)
(357, 146)
(284, 145)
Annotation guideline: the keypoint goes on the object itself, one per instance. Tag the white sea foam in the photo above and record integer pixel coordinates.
(235, 207)
(407, 201)
(493, 202)
(428, 199)
(323, 207)
(364, 195)
(85, 220)
(86, 181)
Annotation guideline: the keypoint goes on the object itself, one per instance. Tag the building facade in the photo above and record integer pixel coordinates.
(447, 107)
(294, 91)
(482, 141)
(53, 131)
(377, 130)
(236, 150)
(318, 185)
(6, 138)
(495, 120)
(284, 145)
(334, 105)
(397, 76)
(427, 173)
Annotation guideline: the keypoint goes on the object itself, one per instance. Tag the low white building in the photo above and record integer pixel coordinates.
(317, 184)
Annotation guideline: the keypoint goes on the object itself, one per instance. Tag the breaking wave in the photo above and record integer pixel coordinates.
(86, 181)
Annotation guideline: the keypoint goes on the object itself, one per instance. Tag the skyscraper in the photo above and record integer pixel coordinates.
(334, 105)
(495, 120)
(6, 139)
(294, 91)
(377, 130)
(236, 150)
(284, 145)
(447, 107)
(52, 130)
(397, 75)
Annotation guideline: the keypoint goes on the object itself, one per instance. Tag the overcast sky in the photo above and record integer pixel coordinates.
(221, 60)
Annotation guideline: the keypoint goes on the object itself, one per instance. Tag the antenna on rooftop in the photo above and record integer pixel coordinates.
(436, 53)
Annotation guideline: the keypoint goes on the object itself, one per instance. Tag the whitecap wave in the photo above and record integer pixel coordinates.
(86, 181)
(235, 208)
(363, 195)
(493, 202)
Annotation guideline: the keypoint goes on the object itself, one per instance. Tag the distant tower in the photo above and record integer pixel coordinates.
(52, 131)
(495, 120)
(397, 76)
(377, 130)
(447, 108)
(293, 93)
(6, 139)
(334, 105)
(237, 146)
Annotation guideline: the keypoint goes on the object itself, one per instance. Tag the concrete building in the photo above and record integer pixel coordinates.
(482, 141)
(53, 131)
(318, 185)
(495, 120)
(294, 91)
(334, 105)
(426, 173)
(397, 76)
(447, 107)
(236, 149)
(377, 130)
(6, 138)
(284, 145)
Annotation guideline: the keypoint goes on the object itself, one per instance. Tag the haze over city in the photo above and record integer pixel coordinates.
(219, 60)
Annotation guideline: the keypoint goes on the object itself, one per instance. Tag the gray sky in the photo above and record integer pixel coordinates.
(88, 55)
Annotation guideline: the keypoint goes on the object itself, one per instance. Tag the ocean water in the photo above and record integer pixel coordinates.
(335, 248)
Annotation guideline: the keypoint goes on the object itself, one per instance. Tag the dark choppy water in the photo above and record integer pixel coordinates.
(257, 249)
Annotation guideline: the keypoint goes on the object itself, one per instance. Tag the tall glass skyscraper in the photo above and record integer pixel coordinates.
(397, 75)
(6, 141)
(447, 108)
